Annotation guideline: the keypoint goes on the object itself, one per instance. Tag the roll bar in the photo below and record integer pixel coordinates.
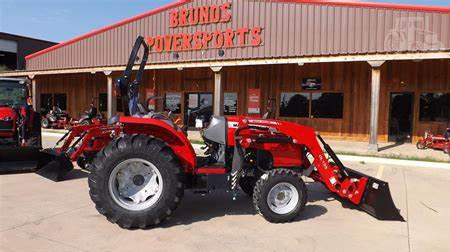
(131, 90)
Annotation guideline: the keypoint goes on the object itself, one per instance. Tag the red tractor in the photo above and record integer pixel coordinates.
(20, 128)
(141, 164)
(437, 142)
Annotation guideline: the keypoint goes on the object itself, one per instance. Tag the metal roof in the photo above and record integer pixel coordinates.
(331, 28)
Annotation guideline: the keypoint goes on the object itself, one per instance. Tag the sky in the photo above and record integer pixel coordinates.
(61, 20)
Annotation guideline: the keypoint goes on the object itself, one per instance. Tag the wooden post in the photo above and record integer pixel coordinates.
(218, 91)
(374, 105)
(35, 94)
(112, 105)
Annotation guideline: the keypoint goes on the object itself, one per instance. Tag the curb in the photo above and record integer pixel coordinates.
(399, 162)
(56, 131)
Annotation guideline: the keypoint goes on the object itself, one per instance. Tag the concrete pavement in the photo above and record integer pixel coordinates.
(40, 215)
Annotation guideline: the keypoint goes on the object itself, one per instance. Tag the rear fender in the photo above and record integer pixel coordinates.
(173, 136)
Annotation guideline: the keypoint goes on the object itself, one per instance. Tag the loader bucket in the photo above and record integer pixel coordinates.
(19, 159)
(377, 200)
(54, 166)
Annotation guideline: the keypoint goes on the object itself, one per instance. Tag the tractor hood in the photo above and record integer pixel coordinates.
(6, 113)
(7, 121)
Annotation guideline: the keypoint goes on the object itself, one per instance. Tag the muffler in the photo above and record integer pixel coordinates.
(377, 200)
(54, 166)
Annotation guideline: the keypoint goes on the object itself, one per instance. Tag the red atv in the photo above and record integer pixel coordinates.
(20, 129)
(437, 142)
(142, 163)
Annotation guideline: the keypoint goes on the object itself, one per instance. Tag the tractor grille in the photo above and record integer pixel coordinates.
(6, 126)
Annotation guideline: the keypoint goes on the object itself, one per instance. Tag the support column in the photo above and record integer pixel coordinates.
(112, 106)
(374, 105)
(35, 94)
(218, 91)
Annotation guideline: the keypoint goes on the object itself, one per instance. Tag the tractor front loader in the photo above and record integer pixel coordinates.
(141, 164)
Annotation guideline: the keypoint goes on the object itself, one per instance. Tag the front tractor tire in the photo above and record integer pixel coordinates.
(136, 182)
(280, 195)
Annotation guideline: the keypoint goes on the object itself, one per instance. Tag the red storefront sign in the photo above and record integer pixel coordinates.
(200, 15)
(254, 100)
(202, 40)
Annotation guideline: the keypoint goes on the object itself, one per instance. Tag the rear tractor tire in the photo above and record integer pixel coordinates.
(280, 195)
(136, 182)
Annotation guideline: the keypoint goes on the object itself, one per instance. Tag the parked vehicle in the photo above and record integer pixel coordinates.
(55, 118)
(20, 128)
(140, 165)
(437, 142)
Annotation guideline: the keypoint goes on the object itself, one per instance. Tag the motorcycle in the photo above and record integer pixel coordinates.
(436, 142)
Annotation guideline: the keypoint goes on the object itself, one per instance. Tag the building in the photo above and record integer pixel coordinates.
(14, 48)
(352, 70)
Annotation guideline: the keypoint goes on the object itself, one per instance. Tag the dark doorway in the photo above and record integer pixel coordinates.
(401, 117)
(198, 106)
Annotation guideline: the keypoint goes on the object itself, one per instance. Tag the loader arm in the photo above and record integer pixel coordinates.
(368, 193)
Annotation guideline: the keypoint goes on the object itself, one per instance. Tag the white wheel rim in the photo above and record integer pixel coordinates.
(135, 184)
(283, 198)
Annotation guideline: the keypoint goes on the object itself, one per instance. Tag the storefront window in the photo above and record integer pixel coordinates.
(46, 103)
(103, 102)
(60, 101)
(294, 105)
(230, 103)
(50, 100)
(327, 105)
(435, 107)
(173, 102)
(323, 105)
